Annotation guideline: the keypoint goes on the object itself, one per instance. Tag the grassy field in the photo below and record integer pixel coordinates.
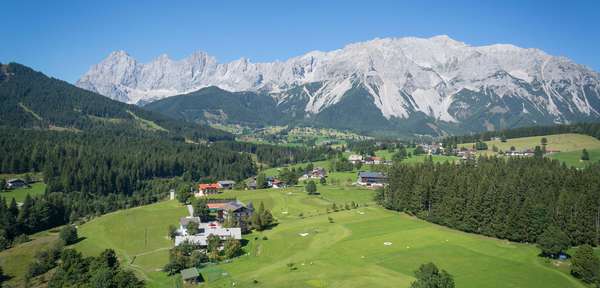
(416, 158)
(19, 194)
(562, 142)
(138, 236)
(573, 158)
(15, 260)
(275, 171)
(347, 253)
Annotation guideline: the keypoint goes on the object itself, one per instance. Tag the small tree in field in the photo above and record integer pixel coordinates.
(192, 228)
(553, 241)
(311, 187)
(585, 265)
(68, 234)
(262, 218)
(231, 248)
(213, 242)
(172, 232)
(429, 276)
(544, 143)
(537, 152)
(585, 156)
(184, 195)
(323, 181)
(201, 209)
(2, 276)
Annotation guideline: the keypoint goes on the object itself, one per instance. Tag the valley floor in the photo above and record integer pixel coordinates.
(350, 252)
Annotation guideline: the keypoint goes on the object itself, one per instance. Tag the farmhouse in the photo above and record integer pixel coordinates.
(208, 189)
(355, 159)
(230, 208)
(316, 173)
(374, 160)
(226, 184)
(276, 183)
(15, 183)
(433, 149)
(371, 179)
(251, 184)
(465, 154)
(523, 153)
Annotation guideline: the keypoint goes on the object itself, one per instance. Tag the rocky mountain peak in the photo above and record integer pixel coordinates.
(437, 77)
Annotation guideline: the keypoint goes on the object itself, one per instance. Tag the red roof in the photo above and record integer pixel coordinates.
(216, 205)
(211, 186)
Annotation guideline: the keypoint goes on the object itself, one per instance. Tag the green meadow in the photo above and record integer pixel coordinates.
(306, 250)
(413, 159)
(573, 158)
(570, 147)
(562, 142)
(138, 236)
(15, 261)
(19, 194)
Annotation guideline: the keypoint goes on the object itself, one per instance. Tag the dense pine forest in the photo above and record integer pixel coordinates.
(91, 173)
(515, 199)
(104, 164)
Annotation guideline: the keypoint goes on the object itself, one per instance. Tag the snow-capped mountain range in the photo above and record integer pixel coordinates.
(438, 79)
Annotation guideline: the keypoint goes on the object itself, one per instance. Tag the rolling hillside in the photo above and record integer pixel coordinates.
(30, 99)
(349, 252)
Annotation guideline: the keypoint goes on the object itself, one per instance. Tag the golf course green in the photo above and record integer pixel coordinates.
(364, 247)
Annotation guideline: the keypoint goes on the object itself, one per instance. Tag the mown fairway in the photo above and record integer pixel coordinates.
(573, 158)
(349, 252)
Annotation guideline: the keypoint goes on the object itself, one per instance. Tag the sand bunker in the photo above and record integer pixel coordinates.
(387, 243)
(303, 234)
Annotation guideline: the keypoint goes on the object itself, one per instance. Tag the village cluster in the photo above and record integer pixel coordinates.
(224, 209)
(234, 211)
(230, 218)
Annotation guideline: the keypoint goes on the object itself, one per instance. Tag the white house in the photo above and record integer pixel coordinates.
(354, 158)
(204, 230)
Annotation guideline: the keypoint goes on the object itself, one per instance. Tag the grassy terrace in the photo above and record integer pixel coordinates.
(347, 253)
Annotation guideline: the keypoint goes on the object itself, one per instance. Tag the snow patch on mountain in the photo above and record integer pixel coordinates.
(402, 75)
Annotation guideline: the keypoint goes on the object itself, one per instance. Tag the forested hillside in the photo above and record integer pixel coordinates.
(515, 199)
(93, 173)
(214, 105)
(104, 164)
(30, 99)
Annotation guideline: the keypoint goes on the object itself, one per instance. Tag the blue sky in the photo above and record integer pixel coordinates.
(64, 38)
